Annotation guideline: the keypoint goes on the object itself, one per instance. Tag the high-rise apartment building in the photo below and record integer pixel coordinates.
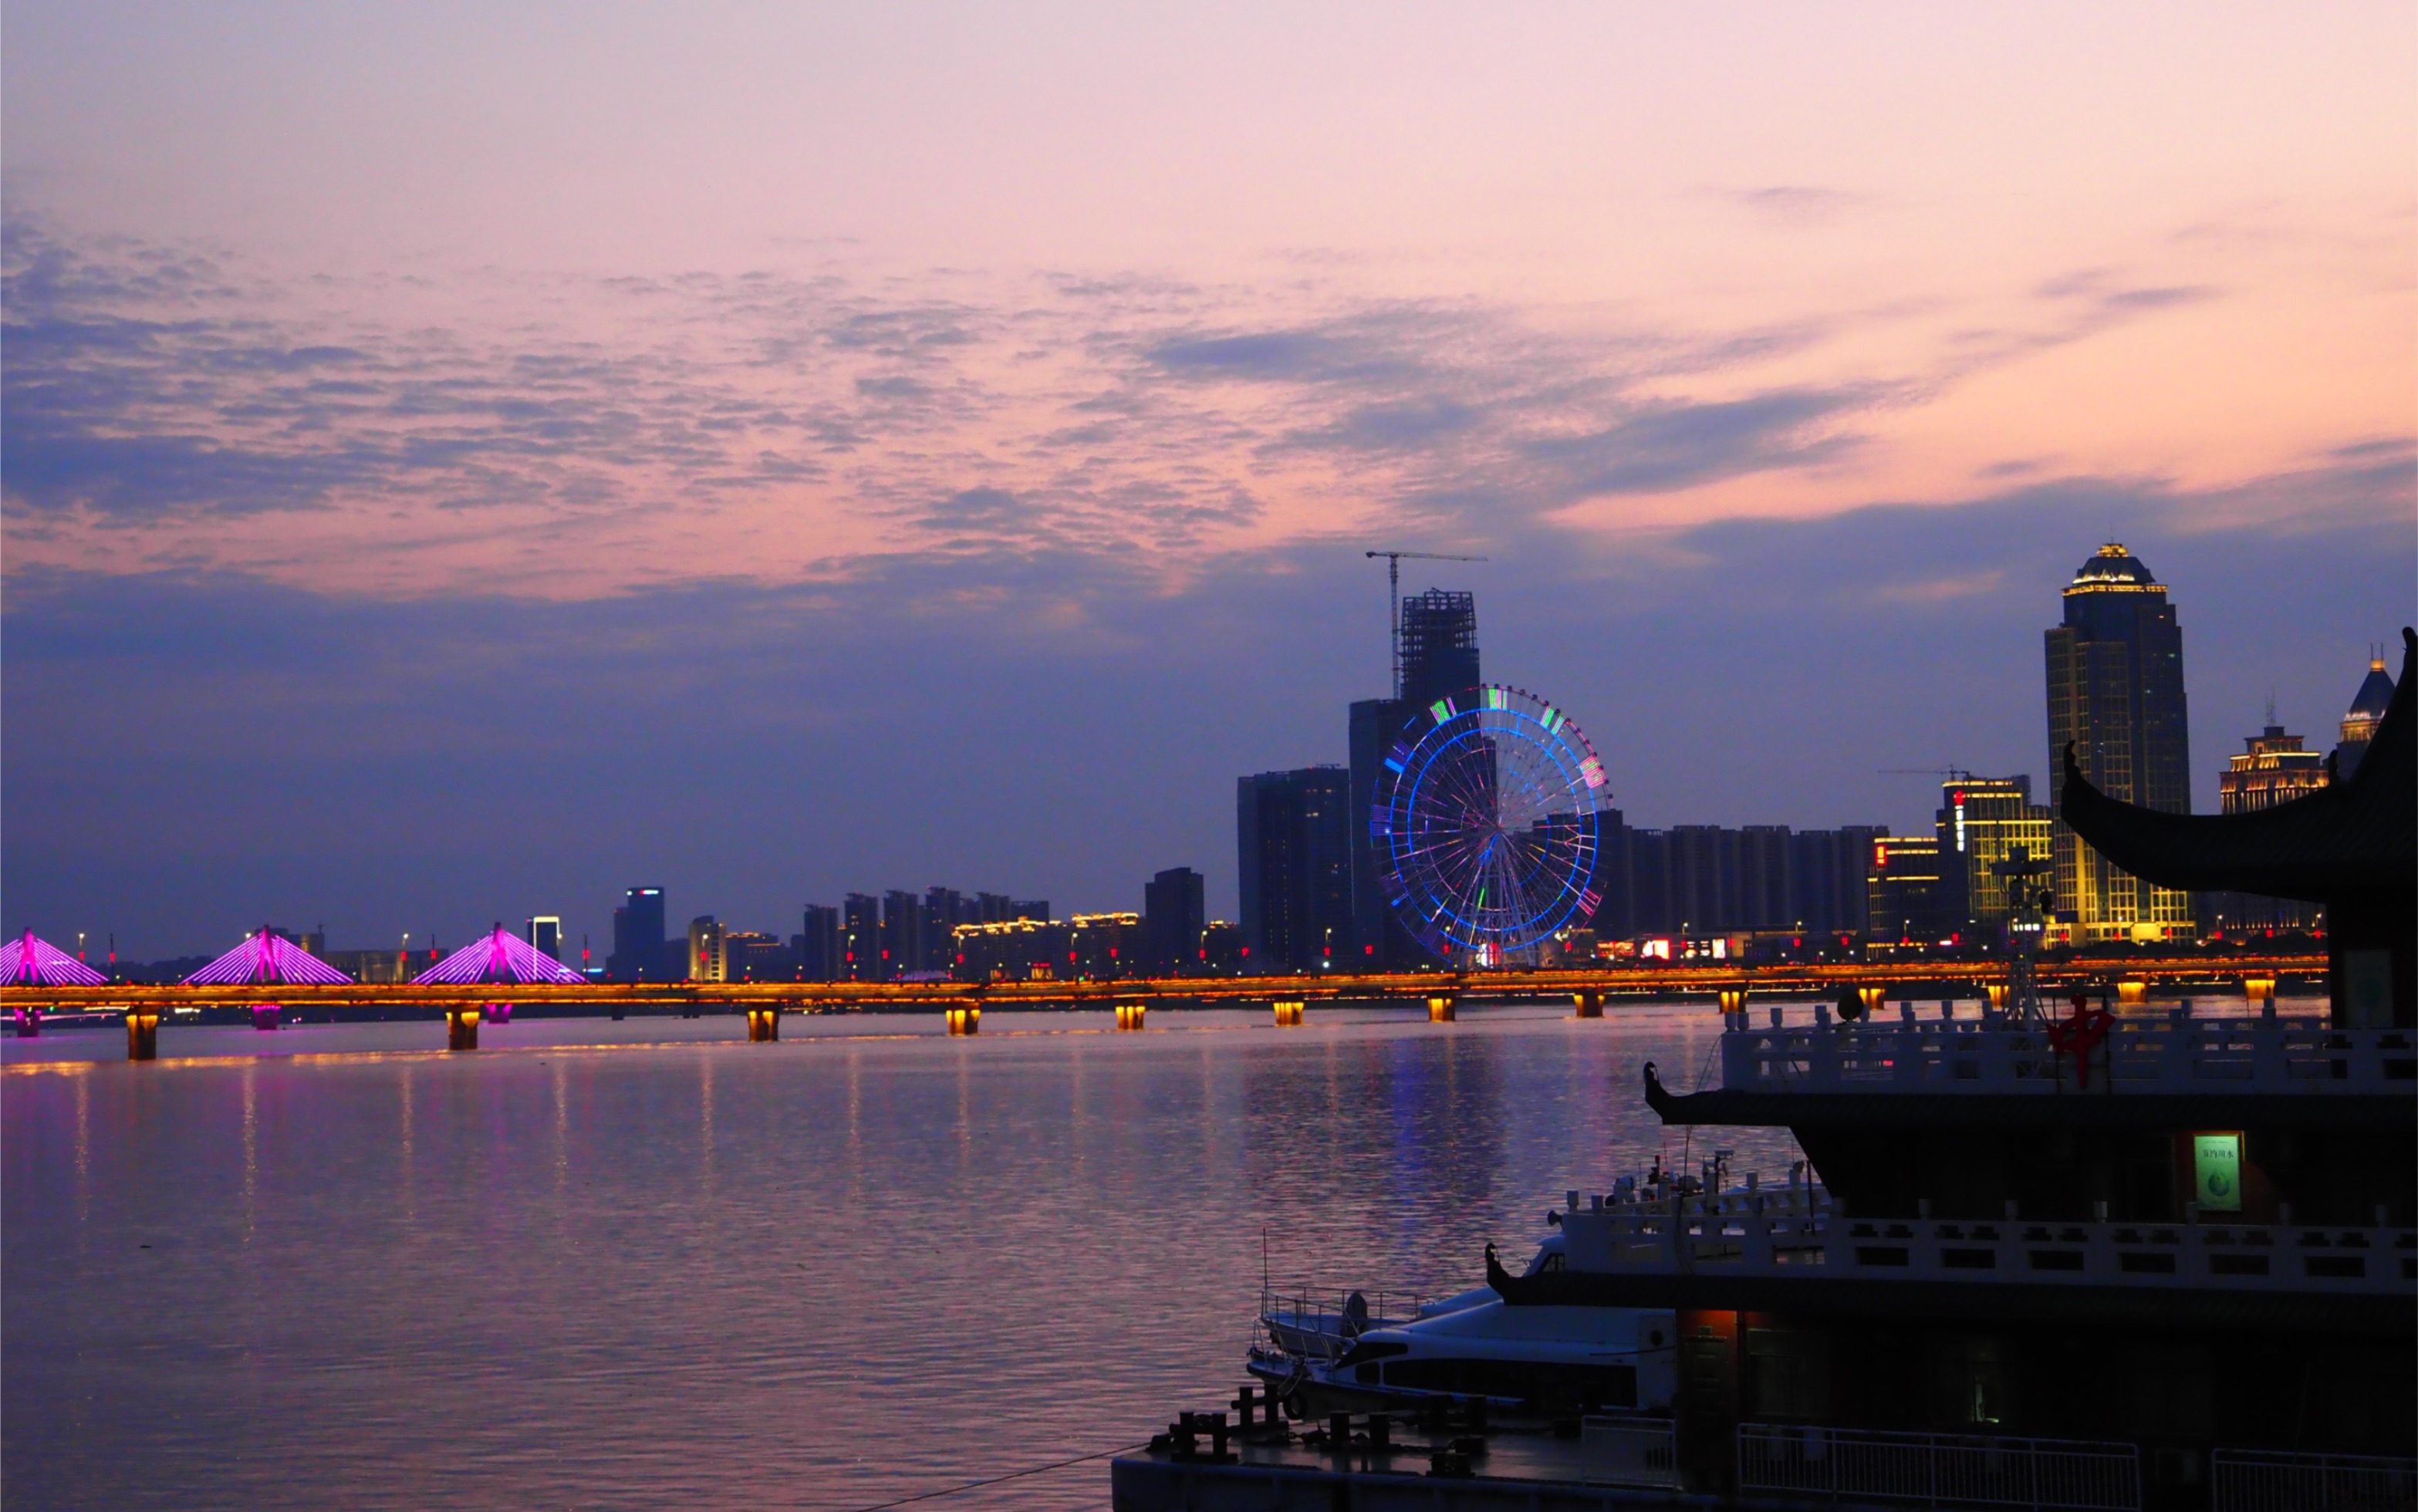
(2116, 692)
(902, 933)
(1174, 913)
(1984, 822)
(817, 946)
(861, 938)
(638, 941)
(1439, 645)
(1291, 833)
(2359, 723)
(1704, 880)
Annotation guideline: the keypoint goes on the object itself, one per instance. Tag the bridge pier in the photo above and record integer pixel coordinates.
(29, 1023)
(1289, 1014)
(1590, 1003)
(1871, 998)
(1129, 1015)
(763, 1024)
(462, 1026)
(2135, 991)
(2256, 989)
(1443, 1007)
(964, 1020)
(266, 1016)
(1998, 995)
(142, 1034)
(1733, 1006)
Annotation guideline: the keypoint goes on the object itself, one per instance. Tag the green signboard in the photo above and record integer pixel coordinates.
(2216, 1166)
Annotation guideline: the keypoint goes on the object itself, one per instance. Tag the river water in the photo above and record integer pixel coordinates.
(646, 1264)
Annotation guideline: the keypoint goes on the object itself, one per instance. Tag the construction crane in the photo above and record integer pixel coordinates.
(1394, 594)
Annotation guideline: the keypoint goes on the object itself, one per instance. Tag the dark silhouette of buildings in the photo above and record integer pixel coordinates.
(1702, 879)
(2272, 768)
(1174, 913)
(1439, 645)
(861, 938)
(817, 945)
(1293, 833)
(2116, 691)
(639, 947)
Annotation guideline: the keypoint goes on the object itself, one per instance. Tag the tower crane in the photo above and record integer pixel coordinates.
(1394, 560)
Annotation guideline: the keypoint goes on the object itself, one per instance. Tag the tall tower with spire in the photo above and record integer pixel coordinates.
(2116, 691)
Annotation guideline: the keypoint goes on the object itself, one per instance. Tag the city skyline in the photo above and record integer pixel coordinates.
(777, 489)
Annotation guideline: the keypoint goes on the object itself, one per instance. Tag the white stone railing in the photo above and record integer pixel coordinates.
(2175, 1053)
(1794, 1232)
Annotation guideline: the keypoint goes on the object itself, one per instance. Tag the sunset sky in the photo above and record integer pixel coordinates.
(462, 461)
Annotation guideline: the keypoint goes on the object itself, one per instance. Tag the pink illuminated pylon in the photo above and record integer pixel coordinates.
(499, 956)
(28, 961)
(266, 959)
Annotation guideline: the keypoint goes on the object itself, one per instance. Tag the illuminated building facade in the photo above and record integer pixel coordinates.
(2359, 723)
(1911, 900)
(2116, 692)
(1089, 947)
(1982, 822)
(1293, 839)
(544, 935)
(707, 959)
(2272, 769)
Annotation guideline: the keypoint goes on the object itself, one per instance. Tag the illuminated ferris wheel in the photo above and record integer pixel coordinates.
(1486, 816)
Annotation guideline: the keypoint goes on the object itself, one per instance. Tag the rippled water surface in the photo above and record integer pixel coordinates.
(646, 1264)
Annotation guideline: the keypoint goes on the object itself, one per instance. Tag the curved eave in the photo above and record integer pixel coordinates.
(2354, 838)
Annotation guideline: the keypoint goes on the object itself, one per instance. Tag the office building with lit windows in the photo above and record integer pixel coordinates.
(2116, 694)
(1984, 822)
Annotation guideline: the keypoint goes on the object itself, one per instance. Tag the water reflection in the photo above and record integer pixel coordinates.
(894, 1261)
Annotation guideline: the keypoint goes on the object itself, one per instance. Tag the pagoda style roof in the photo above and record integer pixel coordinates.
(2356, 836)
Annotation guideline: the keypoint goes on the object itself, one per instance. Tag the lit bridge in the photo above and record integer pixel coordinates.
(2253, 977)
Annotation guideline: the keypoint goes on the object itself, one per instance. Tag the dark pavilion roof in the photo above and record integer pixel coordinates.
(2113, 564)
(2357, 836)
(2375, 694)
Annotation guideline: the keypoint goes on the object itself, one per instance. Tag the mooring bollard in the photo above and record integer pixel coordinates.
(462, 1026)
(965, 1020)
(142, 1034)
(1289, 1014)
(1444, 1007)
(1129, 1015)
(763, 1024)
(1590, 1005)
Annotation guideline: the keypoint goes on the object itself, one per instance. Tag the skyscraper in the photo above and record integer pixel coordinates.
(2116, 691)
(1439, 645)
(546, 936)
(707, 959)
(638, 938)
(1291, 835)
(1173, 917)
(1439, 631)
